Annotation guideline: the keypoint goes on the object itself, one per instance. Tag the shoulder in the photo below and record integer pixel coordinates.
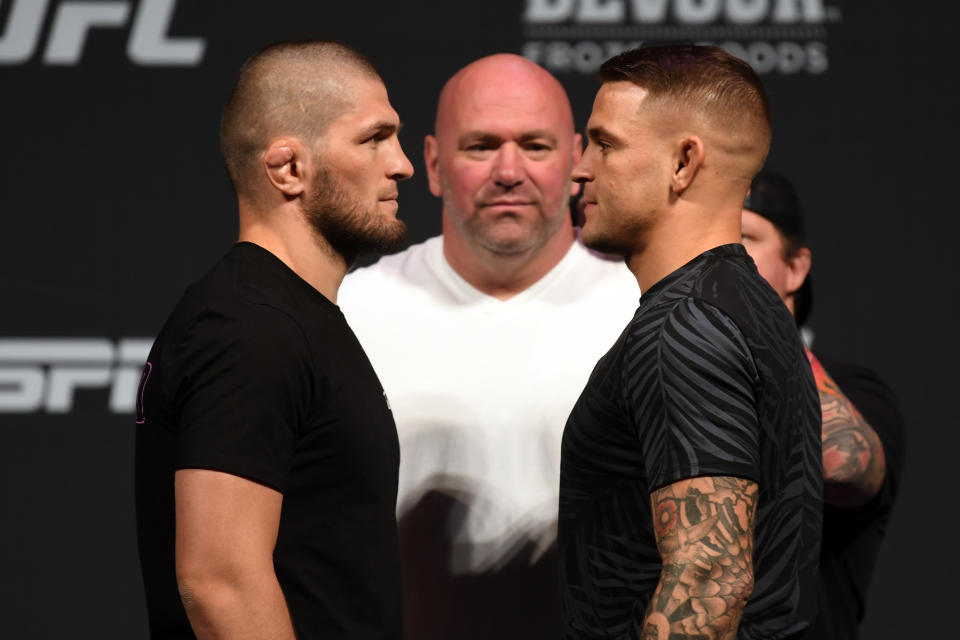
(692, 346)
(597, 283)
(392, 275)
(246, 332)
(237, 311)
(690, 325)
(730, 280)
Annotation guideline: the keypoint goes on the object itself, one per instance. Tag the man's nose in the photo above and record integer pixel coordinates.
(582, 171)
(508, 171)
(399, 167)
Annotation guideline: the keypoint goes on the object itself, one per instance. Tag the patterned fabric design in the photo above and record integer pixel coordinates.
(708, 379)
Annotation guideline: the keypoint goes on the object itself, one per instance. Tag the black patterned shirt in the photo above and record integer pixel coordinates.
(708, 379)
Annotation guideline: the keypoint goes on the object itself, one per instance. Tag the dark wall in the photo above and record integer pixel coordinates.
(114, 198)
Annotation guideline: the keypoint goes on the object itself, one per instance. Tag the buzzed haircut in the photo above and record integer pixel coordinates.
(706, 79)
(293, 88)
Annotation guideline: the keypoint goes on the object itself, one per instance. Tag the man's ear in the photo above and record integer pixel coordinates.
(577, 154)
(688, 158)
(798, 267)
(283, 162)
(431, 157)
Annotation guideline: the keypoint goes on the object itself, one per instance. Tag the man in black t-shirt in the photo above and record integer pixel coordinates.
(863, 435)
(266, 453)
(690, 493)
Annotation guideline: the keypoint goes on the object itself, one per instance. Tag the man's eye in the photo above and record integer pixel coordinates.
(379, 136)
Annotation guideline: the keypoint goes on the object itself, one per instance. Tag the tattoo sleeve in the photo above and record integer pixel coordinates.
(853, 461)
(704, 530)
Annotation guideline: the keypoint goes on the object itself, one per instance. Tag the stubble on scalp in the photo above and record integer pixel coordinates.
(288, 89)
(297, 89)
(707, 92)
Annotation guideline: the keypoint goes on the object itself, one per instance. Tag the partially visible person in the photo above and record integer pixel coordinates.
(266, 454)
(483, 337)
(690, 482)
(863, 433)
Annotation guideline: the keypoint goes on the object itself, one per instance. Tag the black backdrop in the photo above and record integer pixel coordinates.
(114, 198)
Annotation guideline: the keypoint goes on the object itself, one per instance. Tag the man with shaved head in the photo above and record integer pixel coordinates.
(266, 453)
(483, 337)
(690, 489)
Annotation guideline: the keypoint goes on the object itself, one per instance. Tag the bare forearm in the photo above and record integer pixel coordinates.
(686, 606)
(237, 609)
(706, 540)
(853, 460)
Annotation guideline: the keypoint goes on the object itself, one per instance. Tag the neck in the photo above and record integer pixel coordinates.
(499, 275)
(679, 238)
(285, 233)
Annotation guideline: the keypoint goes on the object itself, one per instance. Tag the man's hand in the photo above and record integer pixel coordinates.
(704, 531)
(853, 461)
(226, 532)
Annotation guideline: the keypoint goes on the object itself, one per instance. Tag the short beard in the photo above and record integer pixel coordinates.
(616, 242)
(478, 232)
(348, 228)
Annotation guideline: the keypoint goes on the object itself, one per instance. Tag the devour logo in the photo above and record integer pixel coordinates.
(774, 36)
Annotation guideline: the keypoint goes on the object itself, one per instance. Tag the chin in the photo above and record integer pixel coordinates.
(505, 240)
(599, 241)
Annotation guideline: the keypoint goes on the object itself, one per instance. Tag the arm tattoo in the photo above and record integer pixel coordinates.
(704, 530)
(853, 460)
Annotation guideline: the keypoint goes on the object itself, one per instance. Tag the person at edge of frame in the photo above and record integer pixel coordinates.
(863, 432)
(266, 453)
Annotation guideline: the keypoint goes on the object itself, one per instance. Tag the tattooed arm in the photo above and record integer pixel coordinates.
(853, 461)
(704, 530)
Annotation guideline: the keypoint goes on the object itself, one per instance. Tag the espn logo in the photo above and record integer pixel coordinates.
(44, 374)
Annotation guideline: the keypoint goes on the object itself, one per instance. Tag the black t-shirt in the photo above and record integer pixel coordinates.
(257, 374)
(852, 536)
(708, 379)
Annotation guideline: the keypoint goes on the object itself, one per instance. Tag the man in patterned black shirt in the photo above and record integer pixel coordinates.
(690, 489)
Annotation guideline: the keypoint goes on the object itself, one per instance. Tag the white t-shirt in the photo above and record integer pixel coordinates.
(481, 388)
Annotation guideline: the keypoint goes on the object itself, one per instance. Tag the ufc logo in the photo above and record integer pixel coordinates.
(148, 44)
(45, 374)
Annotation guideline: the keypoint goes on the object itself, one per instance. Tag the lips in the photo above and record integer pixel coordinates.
(507, 203)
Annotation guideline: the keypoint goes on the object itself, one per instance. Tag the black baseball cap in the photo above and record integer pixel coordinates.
(773, 197)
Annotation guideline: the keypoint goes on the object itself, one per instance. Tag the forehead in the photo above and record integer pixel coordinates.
(757, 223)
(617, 108)
(506, 105)
(366, 101)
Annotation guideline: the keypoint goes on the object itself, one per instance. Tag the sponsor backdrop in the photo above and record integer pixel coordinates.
(114, 198)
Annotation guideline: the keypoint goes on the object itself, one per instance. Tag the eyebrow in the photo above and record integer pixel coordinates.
(594, 133)
(382, 127)
(488, 136)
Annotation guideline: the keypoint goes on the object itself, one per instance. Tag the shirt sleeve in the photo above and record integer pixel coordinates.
(698, 415)
(244, 392)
